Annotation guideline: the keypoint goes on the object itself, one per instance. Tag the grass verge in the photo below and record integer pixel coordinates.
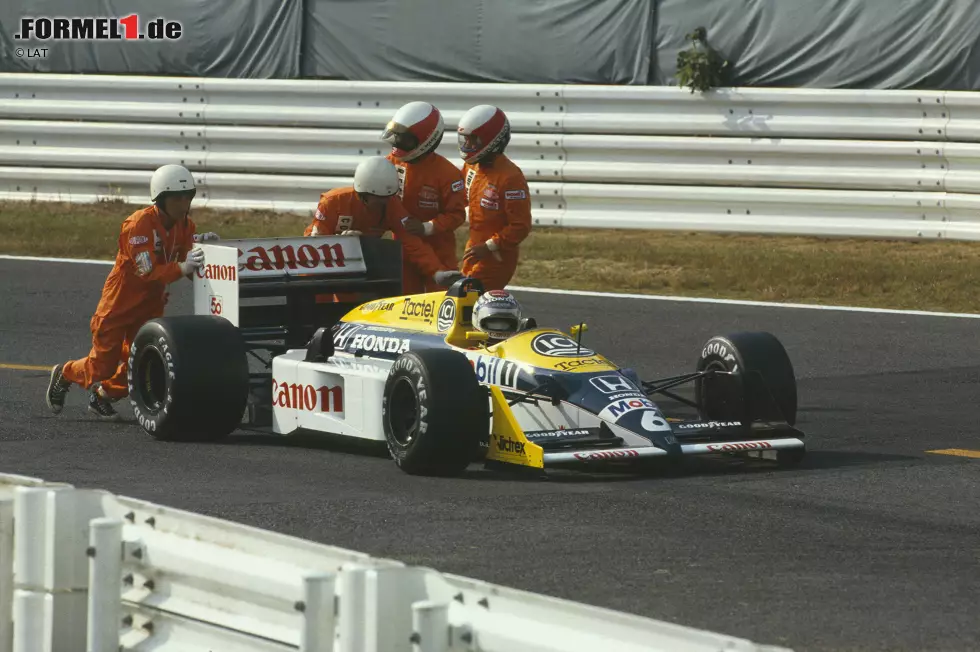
(921, 275)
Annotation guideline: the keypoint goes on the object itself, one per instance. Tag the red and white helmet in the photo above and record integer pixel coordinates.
(482, 130)
(416, 129)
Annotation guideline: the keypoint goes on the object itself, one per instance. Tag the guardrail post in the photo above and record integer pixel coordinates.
(31, 631)
(29, 610)
(6, 575)
(105, 585)
(318, 613)
(430, 626)
(389, 597)
(50, 568)
(352, 619)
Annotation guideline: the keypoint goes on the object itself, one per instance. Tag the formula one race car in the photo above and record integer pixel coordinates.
(348, 356)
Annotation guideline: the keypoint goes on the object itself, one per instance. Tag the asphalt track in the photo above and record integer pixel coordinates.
(872, 544)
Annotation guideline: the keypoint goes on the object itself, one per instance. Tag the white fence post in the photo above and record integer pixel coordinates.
(430, 625)
(50, 568)
(105, 590)
(31, 633)
(32, 630)
(318, 613)
(352, 613)
(6, 574)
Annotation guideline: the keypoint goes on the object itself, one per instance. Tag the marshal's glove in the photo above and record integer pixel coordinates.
(195, 259)
(205, 237)
(447, 277)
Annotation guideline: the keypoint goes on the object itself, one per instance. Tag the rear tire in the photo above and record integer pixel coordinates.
(188, 378)
(435, 413)
(763, 384)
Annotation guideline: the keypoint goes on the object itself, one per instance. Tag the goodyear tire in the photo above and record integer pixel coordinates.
(762, 385)
(188, 378)
(435, 412)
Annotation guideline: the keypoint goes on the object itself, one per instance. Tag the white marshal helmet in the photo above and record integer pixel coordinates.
(482, 130)
(376, 176)
(170, 178)
(498, 314)
(416, 129)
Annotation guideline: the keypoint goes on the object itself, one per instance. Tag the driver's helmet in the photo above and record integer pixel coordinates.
(498, 314)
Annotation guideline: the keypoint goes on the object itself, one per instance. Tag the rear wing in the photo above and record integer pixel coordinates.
(284, 288)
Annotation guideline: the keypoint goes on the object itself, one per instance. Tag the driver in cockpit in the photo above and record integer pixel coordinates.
(498, 314)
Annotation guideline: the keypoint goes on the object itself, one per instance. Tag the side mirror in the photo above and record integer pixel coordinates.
(579, 328)
(477, 336)
(527, 324)
(320, 346)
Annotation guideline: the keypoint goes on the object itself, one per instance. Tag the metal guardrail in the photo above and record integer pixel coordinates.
(802, 161)
(88, 570)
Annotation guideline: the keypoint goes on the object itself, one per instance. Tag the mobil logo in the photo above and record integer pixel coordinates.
(614, 411)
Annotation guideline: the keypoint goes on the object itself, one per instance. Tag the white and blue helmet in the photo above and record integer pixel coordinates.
(498, 314)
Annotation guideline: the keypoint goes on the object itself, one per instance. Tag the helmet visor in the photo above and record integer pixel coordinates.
(400, 137)
(469, 143)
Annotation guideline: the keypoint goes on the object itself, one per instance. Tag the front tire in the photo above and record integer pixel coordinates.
(760, 387)
(188, 378)
(435, 413)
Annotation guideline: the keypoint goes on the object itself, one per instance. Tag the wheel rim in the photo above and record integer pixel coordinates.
(715, 402)
(151, 382)
(403, 412)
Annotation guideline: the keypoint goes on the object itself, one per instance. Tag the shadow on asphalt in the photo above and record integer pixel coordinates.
(691, 468)
(703, 466)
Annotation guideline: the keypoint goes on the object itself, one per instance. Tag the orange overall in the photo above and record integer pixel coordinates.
(134, 292)
(500, 216)
(431, 189)
(342, 210)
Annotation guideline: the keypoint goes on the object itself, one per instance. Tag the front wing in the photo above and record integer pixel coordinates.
(587, 440)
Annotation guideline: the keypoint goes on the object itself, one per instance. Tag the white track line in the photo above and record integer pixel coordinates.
(41, 259)
(617, 295)
(739, 302)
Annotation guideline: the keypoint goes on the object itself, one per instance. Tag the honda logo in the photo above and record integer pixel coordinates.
(612, 384)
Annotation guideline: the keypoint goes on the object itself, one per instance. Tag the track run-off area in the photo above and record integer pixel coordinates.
(872, 544)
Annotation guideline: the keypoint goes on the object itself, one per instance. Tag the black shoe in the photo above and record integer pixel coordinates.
(57, 388)
(100, 406)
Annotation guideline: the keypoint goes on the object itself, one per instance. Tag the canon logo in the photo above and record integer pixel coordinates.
(739, 446)
(218, 272)
(607, 455)
(259, 259)
(297, 396)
